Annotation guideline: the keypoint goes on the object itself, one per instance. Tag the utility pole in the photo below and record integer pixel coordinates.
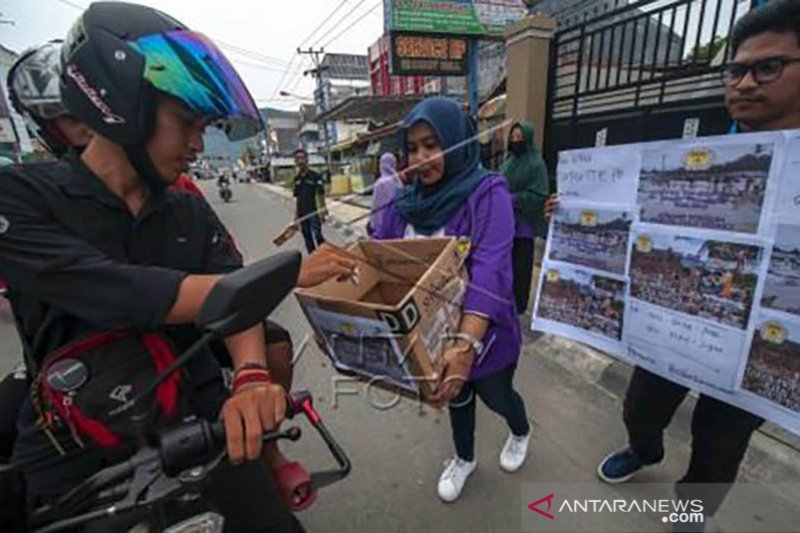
(319, 99)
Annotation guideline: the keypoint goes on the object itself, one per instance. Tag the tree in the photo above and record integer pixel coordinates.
(708, 51)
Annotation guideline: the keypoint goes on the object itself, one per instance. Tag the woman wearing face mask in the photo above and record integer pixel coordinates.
(527, 178)
(452, 194)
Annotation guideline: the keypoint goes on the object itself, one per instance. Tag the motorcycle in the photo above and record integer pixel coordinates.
(225, 192)
(175, 469)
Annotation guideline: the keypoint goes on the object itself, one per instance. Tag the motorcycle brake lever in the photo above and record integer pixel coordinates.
(193, 479)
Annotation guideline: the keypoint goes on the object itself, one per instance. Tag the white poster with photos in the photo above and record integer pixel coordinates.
(582, 304)
(591, 235)
(690, 302)
(686, 261)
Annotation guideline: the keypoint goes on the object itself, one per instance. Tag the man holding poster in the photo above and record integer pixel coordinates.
(762, 87)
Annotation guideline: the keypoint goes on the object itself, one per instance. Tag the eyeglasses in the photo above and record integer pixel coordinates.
(765, 71)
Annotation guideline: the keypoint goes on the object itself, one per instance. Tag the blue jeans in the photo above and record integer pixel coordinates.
(497, 392)
(312, 233)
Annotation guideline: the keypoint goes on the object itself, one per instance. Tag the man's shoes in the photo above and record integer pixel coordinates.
(620, 466)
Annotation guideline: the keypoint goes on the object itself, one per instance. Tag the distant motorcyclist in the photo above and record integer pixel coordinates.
(224, 186)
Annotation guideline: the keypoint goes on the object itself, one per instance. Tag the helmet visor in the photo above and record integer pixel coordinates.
(190, 67)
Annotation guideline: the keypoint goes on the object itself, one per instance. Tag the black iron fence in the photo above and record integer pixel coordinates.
(637, 70)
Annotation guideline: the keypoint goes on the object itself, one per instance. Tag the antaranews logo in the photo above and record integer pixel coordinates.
(671, 511)
(535, 506)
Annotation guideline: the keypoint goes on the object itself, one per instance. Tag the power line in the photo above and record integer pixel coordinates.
(299, 75)
(258, 56)
(72, 4)
(359, 19)
(340, 21)
(324, 20)
(260, 66)
(279, 86)
(269, 61)
(252, 54)
(284, 82)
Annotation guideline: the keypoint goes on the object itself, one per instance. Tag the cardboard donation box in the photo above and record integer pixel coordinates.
(390, 326)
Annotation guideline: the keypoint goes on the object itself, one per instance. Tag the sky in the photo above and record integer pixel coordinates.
(260, 37)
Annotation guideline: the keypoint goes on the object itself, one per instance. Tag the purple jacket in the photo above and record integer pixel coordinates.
(383, 193)
(487, 218)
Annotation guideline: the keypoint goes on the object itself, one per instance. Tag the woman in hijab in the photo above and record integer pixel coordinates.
(384, 190)
(527, 178)
(452, 194)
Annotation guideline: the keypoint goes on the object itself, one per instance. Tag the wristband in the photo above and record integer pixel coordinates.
(250, 377)
(250, 366)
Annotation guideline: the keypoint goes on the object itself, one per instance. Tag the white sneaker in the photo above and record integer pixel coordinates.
(452, 480)
(514, 452)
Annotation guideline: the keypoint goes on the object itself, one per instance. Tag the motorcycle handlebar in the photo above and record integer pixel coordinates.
(179, 449)
(181, 446)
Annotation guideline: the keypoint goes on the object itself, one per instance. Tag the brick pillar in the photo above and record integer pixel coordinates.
(528, 44)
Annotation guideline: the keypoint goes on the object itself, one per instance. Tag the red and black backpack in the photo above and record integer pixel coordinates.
(87, 383)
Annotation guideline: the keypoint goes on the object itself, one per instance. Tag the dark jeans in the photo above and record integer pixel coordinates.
(720, 435)
(312, 233)
(497, 392)
(13, 389)
(522, 262)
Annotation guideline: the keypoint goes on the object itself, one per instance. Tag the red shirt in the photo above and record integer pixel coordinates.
(185, 183)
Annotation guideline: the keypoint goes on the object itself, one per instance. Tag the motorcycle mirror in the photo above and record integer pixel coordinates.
(242, 299)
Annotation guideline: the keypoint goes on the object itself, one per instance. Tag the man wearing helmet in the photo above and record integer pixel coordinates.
(101, 243)
(33, 83)
(34, 91)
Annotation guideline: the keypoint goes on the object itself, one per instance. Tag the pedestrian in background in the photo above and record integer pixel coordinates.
(310, 210)
(526, 172)
(384, 190)
(453, 195)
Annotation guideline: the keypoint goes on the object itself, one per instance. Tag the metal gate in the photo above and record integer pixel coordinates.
(636, 71)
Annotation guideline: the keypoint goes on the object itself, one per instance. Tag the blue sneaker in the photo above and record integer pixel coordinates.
(619, 466)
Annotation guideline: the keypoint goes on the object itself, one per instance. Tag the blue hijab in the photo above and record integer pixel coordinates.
(429, 208)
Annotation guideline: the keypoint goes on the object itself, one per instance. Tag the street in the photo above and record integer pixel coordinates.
(398, 451)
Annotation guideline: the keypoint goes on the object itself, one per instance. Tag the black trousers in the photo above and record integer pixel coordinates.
(13, 390)
(720, 435)
(497, 392)
(522, 263)
(312, 233)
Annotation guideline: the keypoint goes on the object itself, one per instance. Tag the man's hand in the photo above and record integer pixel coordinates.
(325, 263)
(248, 414)
(454, 372)
(550, 206)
